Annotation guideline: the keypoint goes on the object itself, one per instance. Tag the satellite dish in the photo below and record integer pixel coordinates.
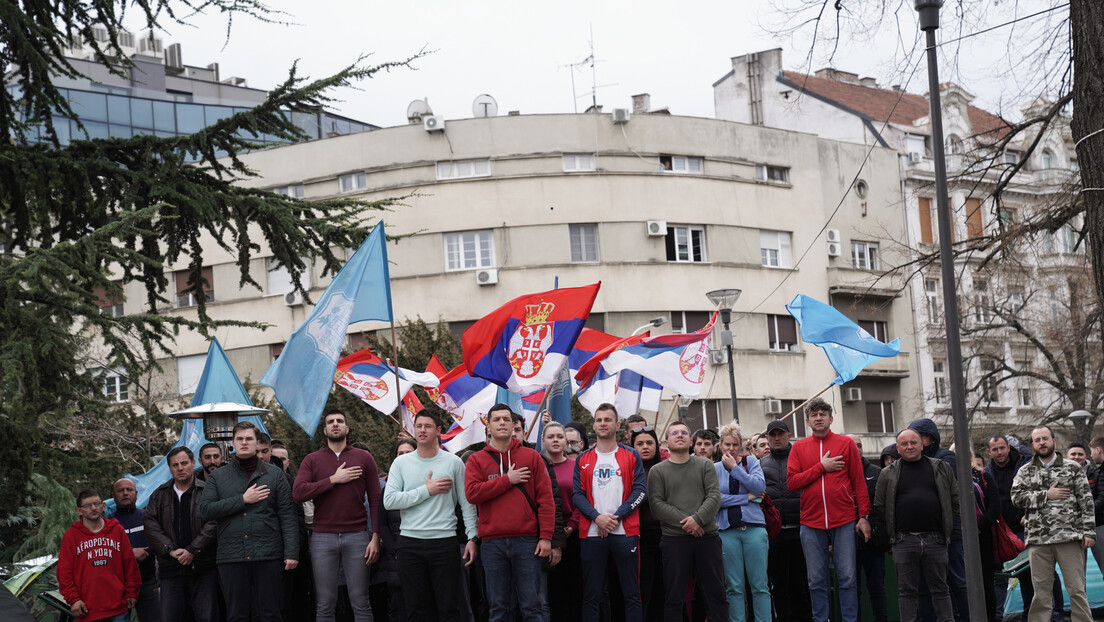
(484, 106)
(417, 109)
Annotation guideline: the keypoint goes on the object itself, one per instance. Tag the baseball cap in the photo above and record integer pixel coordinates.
(777, 425)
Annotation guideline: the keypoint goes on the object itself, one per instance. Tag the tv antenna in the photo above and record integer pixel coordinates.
(484, 106)
(590, 61)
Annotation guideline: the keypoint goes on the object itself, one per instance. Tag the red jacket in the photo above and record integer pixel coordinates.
(633, 489)
(98, 568)
(504, 511)
(827, 499)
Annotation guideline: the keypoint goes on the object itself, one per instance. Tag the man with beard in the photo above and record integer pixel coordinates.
(785, 560)
(425, 486)
(131, 518)
(210, 458)
(1060, 524)
(96, 571)
(184, 544)
(337, 477)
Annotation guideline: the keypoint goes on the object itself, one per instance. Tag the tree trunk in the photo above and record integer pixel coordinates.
(1087, 31)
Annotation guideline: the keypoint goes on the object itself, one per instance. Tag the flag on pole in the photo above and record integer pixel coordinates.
(368, 377)
(848, 346)
(302, 376)
(522, 345)
(676, 362)
(627, 390)
(462, 396)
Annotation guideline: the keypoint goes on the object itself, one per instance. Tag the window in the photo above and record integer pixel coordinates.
(704, 414)
(917, 144)
(973, 218)
(276, 349)
(353, 182)
(1015, 302)
(796, 421)
(115, 387)
(876, 328)
(1047, 159)
(295, 191)
(1006, 216)
(109, 305)
(188, 371)
(864, 256)
(931, 293)
(279, 279)
(988, 382)
(469, 250)
(939, 373)
(680, 164)
(578, 162)
(1012, 157)
(774, 249)
(782, 333)
(460, 169)
(686, 243)
(584, 243)
(1024, 395)
(184, 281)
(879, 418)
(689, 321)
(1062, 241)
(983, 302)
(779, 174)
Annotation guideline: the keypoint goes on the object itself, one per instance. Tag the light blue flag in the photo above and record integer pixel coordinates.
(303, 374)
(219, 383)
(848, 346)
(559, 397)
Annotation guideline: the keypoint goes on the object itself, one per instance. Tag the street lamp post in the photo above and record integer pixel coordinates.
(654, 322)
(725, 299)
(1080, 420)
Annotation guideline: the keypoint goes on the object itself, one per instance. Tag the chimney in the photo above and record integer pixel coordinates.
(641, 103)
(871, 82)
(829, 73)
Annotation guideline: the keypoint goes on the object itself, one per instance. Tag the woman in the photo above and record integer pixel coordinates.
(564, 579)
(646, 443)
(743, 528)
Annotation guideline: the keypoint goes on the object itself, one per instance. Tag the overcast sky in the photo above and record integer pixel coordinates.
(520, 54)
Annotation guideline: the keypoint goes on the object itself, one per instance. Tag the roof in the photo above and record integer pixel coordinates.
(882, 105)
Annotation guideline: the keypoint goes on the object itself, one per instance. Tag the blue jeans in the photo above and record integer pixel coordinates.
(745, 551)
(330, 551)
(190, 596)
(512, 567)
(595, 553)
(814, 543)
(916, 554)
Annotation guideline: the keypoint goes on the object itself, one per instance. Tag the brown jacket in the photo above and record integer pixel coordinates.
(160, 532)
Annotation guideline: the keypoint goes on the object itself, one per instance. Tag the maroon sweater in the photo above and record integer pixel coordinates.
(340, 508)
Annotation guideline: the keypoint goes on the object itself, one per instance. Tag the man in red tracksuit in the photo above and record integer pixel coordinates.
(97, 573)
(608, 488)
(827, 469)
(509, 485)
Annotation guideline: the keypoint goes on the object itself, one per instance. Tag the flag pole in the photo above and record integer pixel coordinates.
(803, 404)
(398, 390)
(667, 422)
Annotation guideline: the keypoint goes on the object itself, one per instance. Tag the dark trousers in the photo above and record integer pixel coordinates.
(686, 556)
(252, 590)
(595, 552)
(789, 583)
(651, 576)
(435, 566)
(190, 596)
(565, 585)
(916, 555)
(148, 606)
(872, 571)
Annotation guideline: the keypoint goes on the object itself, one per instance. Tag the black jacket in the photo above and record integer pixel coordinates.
(1004, 476)
(788, 502)
(1096, 484)
(160, 531)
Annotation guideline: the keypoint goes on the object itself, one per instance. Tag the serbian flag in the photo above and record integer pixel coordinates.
(467, 399)
(676, 362)
(627, 390)
(848, 346)
(523, 344)
(366, 376)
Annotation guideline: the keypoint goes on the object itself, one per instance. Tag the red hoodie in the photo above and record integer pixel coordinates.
(98, 568)
(827, 499)
(504, 511)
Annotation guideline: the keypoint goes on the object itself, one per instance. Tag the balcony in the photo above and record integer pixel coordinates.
(864, 284)
(893, 367)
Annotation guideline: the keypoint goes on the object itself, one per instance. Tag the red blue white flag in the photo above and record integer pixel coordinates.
(467, 399)
(627, 390)
(366, 376)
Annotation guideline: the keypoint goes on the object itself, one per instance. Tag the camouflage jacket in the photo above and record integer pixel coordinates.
(1053, 521)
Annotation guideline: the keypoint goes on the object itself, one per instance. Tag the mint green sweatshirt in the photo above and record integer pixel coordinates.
(425, 516)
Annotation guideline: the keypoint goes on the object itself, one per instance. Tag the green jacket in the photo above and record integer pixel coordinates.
(1054, 521)
(261, 531)
(885, 495)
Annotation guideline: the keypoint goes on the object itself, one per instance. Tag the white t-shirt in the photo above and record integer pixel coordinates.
(607, 490)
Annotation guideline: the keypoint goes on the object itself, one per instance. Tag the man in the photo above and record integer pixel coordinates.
(917, 499)
(509, 485)
(577, 441)
(131, 518)
(210, 458)
(337, 478)
(704, 444)
(785, 561)
(760, 446)
(425, 486)
(871, 563)
(96, 570)
(279, 450)
(1096, 484)
(264, 446)
(1079, 454)
(1004, 463)
(684, 496)
(827, 469)
(184, 544)
(635, 423)
(608, 488)
(258, 535)
(1060, 524)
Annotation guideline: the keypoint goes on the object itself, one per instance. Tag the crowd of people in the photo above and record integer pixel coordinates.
(642, 525)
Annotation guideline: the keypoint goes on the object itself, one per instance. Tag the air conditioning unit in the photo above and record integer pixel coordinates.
(854, 394)
(915, 157)
(486, 277)
(717, 357)
(293, 299)
(772, 406)
(834, 249)
(832, 235)
(621, 115)
(656, 228)
(435, 123)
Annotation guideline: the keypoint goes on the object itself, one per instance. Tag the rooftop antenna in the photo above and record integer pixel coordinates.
(592, 62)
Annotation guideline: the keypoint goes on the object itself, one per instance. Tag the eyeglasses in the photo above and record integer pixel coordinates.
(679, 433)
(91, 506)
(646, 428)
(574, 443)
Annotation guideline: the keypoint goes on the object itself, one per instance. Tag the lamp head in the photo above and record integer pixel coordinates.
(929, 13)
